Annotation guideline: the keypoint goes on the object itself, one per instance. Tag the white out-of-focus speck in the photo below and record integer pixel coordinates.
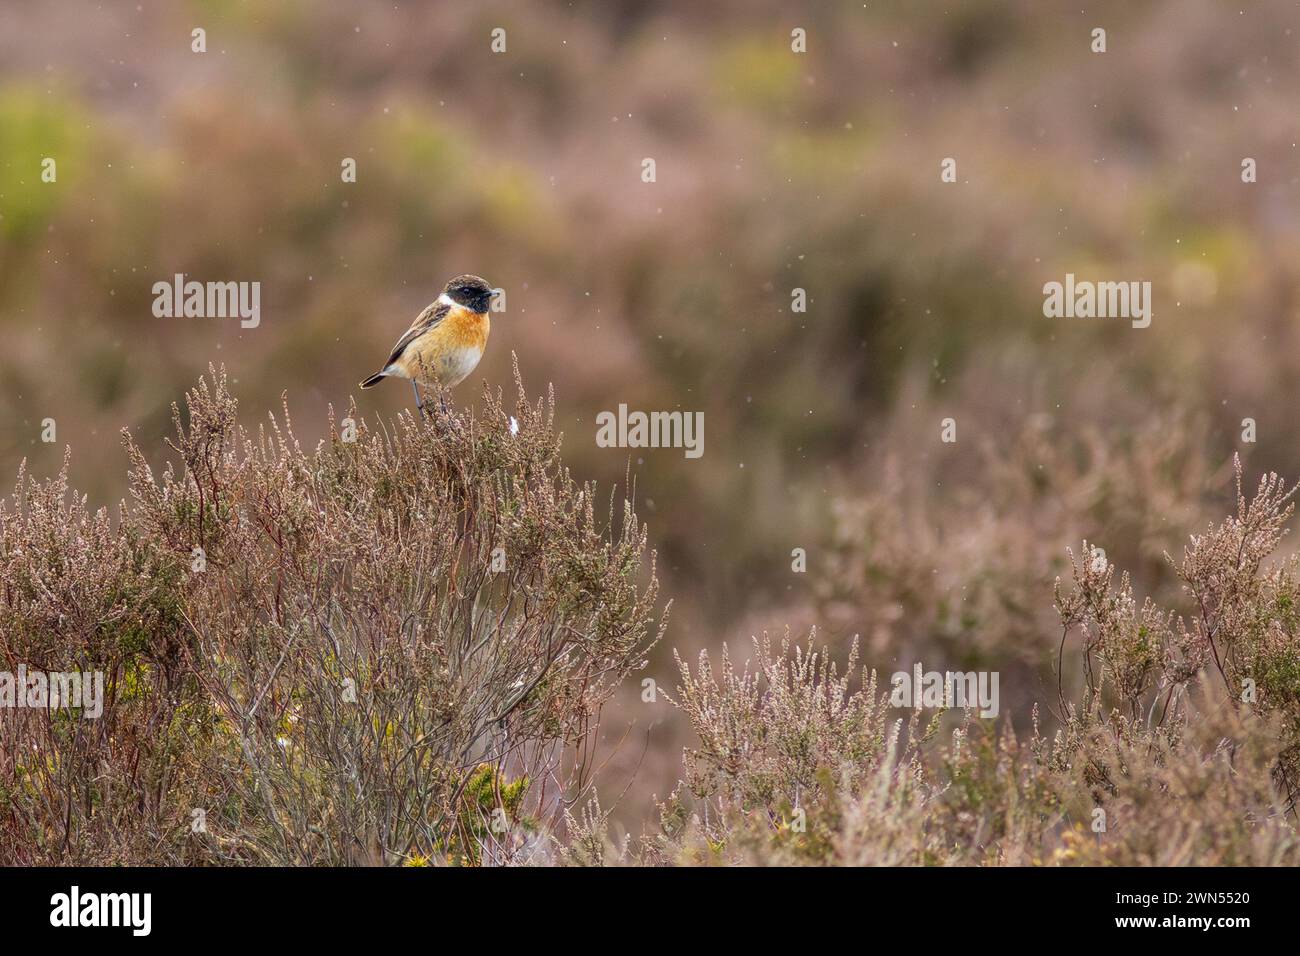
(514, 426)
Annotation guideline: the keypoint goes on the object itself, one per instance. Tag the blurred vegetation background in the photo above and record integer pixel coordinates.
(775, 170)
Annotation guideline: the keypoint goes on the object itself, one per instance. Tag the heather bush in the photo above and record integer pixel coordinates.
(960, 569)
(1241, 626)
(784, 749)
(1181, 749)
(394, 648)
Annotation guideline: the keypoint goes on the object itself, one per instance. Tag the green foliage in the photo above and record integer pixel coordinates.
(35, 125)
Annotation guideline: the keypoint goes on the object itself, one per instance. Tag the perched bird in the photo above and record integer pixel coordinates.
(446, 340)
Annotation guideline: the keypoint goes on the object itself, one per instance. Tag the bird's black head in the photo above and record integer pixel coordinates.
(470, 291)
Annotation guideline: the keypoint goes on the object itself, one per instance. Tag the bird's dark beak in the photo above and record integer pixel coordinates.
(495, 293)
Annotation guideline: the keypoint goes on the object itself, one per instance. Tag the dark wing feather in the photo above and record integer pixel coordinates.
(426, 320)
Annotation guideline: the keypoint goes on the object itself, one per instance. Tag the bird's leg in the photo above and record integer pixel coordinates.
(442, 397)
(419, 400)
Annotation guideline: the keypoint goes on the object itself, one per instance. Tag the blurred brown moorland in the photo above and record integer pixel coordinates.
(775, 171)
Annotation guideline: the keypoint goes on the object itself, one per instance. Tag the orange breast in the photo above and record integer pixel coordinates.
(466, 329)
(448, 352)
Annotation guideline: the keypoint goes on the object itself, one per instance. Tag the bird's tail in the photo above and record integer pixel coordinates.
(374, 380)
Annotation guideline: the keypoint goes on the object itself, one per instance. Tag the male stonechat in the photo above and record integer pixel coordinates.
(446, 340)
